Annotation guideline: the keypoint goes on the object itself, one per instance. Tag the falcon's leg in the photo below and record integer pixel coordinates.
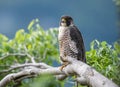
(64, 65)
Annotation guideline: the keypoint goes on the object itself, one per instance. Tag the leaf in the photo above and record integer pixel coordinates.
(31, 24)
(3, 38)
(19, 35)
(103, 43)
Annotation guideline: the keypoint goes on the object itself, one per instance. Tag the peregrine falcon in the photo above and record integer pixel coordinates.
(70, 41)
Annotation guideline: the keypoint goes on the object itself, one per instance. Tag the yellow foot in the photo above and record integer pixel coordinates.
(64, 65)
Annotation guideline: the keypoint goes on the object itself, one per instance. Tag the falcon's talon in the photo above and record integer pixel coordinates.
(64, 65)
(61, 68)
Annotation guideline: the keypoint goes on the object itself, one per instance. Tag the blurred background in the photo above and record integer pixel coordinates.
(96, 19)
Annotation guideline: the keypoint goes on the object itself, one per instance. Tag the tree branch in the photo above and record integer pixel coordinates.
(18, 66)
(20, 54)
(12, 54)
(85, 74)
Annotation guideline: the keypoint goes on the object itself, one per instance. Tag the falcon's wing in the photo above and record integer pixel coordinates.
(76, 44)
(73, 46)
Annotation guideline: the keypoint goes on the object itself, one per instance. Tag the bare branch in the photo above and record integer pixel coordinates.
(17, 66)
(12, 54)
(85, 74)
(29, 56)
(44, 54)
(28, 72)
(18, 54)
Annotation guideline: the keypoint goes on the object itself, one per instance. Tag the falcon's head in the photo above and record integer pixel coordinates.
(66, 21)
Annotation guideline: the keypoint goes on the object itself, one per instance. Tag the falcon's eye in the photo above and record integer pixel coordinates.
(62, 21)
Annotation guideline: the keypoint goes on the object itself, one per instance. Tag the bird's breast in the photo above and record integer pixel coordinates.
(63, 33)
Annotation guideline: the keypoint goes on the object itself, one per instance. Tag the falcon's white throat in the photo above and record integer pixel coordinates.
(62, 30)
(63, 24)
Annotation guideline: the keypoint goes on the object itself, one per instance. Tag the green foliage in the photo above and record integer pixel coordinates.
(104, 58)
(117, 2)
(43, 46)
(38, 43)
(42, 81)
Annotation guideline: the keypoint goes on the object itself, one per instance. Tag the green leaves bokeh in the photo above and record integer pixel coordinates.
(43, 46)
(105, 58)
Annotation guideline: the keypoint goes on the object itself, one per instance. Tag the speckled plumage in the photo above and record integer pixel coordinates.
(70, 41)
